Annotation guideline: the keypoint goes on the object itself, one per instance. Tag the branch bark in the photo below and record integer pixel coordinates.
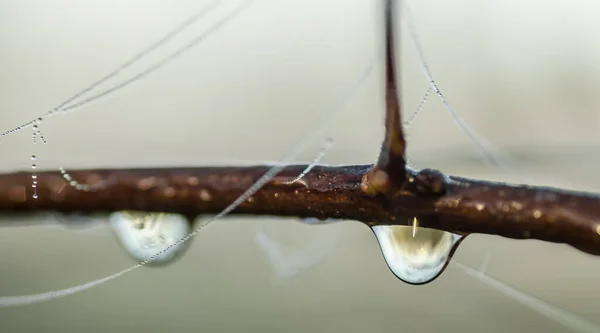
(454, 204)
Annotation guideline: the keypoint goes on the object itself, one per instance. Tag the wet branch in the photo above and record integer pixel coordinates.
(387, 192)
(453, 204)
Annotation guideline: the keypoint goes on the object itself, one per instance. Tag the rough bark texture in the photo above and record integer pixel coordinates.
(453, 204)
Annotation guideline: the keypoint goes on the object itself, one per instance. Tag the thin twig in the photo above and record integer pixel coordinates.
(388, 174)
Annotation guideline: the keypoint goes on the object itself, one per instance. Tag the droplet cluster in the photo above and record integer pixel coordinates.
(37, 133)
(72, 182)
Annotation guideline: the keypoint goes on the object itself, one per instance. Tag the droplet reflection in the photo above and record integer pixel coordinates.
(416, 257)
(144, 234)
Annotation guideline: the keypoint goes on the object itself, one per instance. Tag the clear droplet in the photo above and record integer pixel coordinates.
(34, 177)
(314, 220)
(416, 256)
(143, 234)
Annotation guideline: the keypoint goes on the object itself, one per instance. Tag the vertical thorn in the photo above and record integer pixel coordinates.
(389, 173)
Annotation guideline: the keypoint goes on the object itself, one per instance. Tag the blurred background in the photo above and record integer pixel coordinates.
(523, 74)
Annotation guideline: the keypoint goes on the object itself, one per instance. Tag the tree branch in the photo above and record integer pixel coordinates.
(454, 204)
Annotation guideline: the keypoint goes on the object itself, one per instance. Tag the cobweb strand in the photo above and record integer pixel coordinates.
(160, 42)
(563, 317)
(191, 20)
(471, 134)
(226, 19)
(11, 301)
(314, 162)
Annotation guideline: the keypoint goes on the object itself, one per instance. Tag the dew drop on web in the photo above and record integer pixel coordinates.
(34, 178)
(143, 235)
(414, 254)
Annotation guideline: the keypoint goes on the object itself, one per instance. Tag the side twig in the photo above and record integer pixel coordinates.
(388, 174)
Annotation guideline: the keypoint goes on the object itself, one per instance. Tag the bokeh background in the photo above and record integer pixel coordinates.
(523, 74)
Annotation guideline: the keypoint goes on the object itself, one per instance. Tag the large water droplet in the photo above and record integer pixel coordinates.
(144, 234)
(416, 255)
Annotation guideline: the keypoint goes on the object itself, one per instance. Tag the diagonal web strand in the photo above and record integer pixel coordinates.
(160, 42)
(288, 262)
(191, 20)
(314, 162)
(11, 301)
(162, 62)
(473, 136)
(417, 112)
(563, 317)
(285, 261)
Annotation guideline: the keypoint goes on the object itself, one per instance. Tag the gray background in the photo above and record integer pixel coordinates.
(524, 74)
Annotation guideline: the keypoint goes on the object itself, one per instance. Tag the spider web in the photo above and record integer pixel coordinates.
(433, 87)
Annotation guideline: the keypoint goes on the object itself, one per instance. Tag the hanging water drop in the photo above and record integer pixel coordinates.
(144, 234)
(416, 257)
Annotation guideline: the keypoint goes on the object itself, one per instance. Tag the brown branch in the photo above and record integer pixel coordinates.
(453, 204)
(388, 175)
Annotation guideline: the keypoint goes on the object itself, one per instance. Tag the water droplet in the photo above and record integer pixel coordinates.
(143, 234)
(34, 177)
(314, 220)
(416, 257)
